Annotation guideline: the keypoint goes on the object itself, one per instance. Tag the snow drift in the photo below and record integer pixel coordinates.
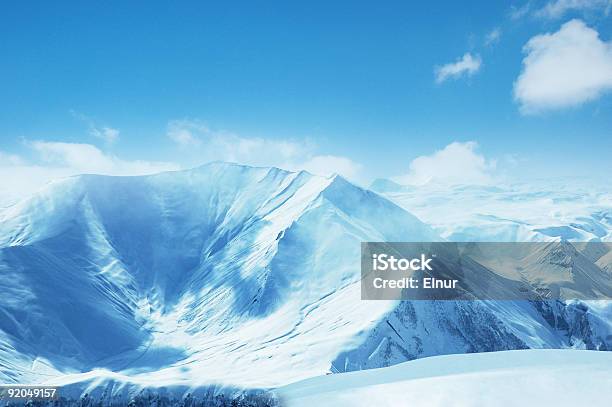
(513, 378)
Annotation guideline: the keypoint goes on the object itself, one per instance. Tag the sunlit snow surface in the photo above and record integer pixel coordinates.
(248, 277)
(513, 378)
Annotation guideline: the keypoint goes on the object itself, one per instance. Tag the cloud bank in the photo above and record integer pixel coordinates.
(457, 163)
(53, 160)
(294, 155)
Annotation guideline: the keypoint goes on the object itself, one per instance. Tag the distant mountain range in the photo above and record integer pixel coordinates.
(559, 209)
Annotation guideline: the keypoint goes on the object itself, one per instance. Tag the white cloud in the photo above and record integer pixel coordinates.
(519, 12)
(10, 187)
(493, 37)
(457, 163)
(564, 69)
(331, 164)
(256, 150)
(81, 157)
(21, 180)
(558, 8)
(53, 160)
(86, 158)
(106, 133)
(184, 132)
(294, 155)
(467, 65)
(220, 145)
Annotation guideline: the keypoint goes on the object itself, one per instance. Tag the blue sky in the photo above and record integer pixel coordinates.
(351, 84)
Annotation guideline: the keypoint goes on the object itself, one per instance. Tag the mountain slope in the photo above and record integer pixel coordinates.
(179, 267)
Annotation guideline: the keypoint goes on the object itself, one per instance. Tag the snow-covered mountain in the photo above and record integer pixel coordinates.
(196, 275)
(231, 275)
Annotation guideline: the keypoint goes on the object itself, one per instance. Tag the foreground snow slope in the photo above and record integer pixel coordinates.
(512, 378)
